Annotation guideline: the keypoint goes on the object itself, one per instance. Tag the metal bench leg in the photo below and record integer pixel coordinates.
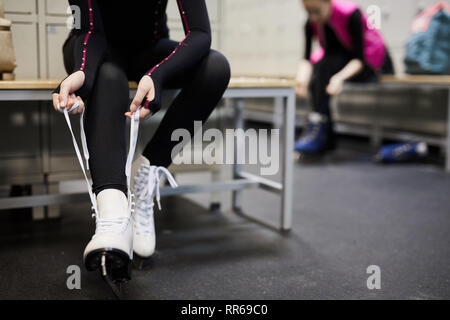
(288, 163)
(38, 213)
(53, 211)
(447, 155)
(278, 112)
(376, 135)
(237, 168)
(215, 203)
(46, 212)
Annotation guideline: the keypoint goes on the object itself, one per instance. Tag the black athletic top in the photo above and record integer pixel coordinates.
(332, 43)
(134, 25)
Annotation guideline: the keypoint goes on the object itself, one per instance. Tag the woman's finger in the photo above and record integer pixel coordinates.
(138, 98)
(55, 98)
(331, 88)
(145, 114)
(151, 94)
(77, 100)
(72, 99)
(301, 91)
(63, 95)
(81, 102)
(128, 115)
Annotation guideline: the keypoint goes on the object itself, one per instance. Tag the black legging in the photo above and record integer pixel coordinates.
(105, 124)
(331, 64)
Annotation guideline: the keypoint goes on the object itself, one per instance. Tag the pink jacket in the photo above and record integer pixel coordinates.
(374, 47)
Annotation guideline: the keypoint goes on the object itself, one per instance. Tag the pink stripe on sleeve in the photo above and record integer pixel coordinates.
(188, 32)
(88, 35)
(183, 14)
(169, 56)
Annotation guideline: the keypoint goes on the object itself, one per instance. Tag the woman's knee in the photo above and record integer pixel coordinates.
(111, 74)
(110, 94)
(216, 69)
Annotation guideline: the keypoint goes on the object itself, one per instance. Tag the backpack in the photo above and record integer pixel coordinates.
(428, 49)
(7, 57)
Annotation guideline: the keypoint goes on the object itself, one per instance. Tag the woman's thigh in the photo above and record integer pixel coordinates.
(68, 54)
(111, 56)
(142, 63)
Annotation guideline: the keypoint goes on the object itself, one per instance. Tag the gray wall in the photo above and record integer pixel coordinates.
(266, 37)
(260, 37)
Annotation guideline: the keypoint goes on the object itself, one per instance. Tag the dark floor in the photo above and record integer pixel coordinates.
(348, 214)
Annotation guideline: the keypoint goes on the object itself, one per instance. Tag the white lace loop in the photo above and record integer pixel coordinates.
(80, 160)
(146, 181)
(133, 141)
(159, 171)
(117, 225)
(134, 131)
(83, 140)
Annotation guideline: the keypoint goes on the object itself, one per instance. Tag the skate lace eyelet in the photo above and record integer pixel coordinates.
(93, 212)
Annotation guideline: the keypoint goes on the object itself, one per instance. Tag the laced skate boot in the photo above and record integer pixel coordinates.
(145, 186)
(317, 139)
(402, 152)
(111, 247)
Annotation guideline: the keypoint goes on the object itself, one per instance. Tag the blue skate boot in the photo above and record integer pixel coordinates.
(402, 152)
(317, 138)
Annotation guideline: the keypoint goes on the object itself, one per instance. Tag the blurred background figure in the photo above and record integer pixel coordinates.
(350, 50)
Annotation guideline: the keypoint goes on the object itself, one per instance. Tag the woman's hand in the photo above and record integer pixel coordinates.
(146, 89)
(335, 86)
(352, 68)
(303, 78)
(66, 97)
(301, 90)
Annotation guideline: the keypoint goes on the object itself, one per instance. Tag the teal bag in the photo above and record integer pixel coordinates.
(428, 51)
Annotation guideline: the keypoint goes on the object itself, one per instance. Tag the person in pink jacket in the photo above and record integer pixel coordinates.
(350, 50)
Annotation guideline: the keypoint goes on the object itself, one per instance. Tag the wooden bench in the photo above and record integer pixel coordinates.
(423, 80)
(281, 90)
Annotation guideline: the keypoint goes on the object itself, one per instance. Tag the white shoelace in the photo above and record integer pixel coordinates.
(160, 171)
(105, 225)
(146, 181)
(117, 225)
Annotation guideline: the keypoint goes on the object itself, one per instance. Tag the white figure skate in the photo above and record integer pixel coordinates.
(145, 186)
(111, 249)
